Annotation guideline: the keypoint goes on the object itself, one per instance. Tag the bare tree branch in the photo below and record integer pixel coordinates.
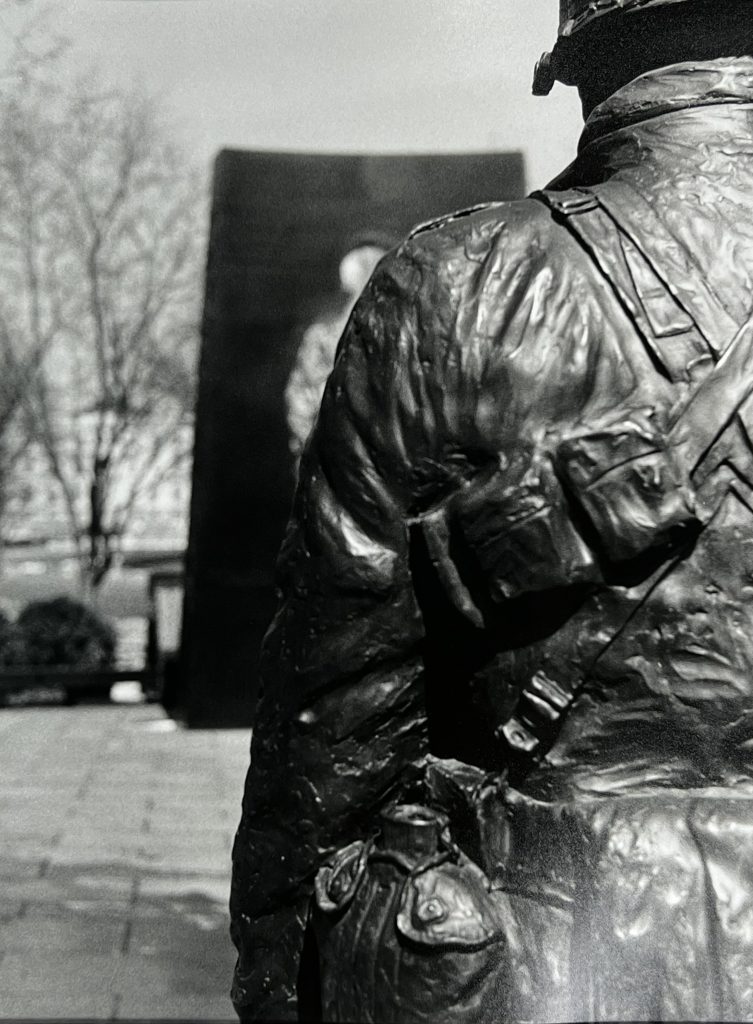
(101, 262)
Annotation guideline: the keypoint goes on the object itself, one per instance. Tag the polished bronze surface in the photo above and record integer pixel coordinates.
(576, 14)
(517, 593)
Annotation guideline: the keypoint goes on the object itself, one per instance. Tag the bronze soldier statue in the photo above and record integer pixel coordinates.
(503, 762)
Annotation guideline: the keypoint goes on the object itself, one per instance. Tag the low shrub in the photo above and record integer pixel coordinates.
(62, 631)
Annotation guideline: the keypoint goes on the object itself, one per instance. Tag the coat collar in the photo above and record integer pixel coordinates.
(666, 90)
(662, 118)
(681, 138)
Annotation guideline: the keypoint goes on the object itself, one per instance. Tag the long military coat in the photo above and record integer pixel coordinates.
(483, 345)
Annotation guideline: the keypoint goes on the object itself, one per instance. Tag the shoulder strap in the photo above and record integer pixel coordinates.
(684, 325)
(676, 265)
(673, 340)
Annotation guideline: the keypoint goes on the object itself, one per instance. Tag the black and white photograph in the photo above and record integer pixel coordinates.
(376, 511)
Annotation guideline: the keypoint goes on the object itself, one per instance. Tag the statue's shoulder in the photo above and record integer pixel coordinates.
(505, 233)
(448, 273)
(452, 248)
(516, 219)
(455, 258)
(447, 219)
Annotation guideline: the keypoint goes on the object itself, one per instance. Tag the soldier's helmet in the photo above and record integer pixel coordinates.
(575, 15)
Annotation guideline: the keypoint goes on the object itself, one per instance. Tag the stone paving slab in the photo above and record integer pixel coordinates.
(66, 933)
(115, 835)
(10, 907)
(35, 984)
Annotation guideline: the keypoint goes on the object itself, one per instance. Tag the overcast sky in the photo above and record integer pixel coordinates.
(338, 75)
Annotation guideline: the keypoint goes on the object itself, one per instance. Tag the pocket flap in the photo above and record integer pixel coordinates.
(451, 905)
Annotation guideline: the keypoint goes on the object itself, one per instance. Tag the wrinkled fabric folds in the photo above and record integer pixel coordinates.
(440, 556)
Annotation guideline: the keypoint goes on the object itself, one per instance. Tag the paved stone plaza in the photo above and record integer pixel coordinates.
(116, 828)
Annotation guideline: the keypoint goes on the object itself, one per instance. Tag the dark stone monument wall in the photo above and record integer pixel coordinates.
(281, 224)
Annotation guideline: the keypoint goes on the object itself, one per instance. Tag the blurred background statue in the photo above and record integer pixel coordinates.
(316, 354)
(502, 767)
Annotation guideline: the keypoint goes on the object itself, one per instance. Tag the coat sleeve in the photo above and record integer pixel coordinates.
(341, 717)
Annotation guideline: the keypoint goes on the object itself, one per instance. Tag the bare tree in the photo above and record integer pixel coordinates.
(101, 258)
(34, 50)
